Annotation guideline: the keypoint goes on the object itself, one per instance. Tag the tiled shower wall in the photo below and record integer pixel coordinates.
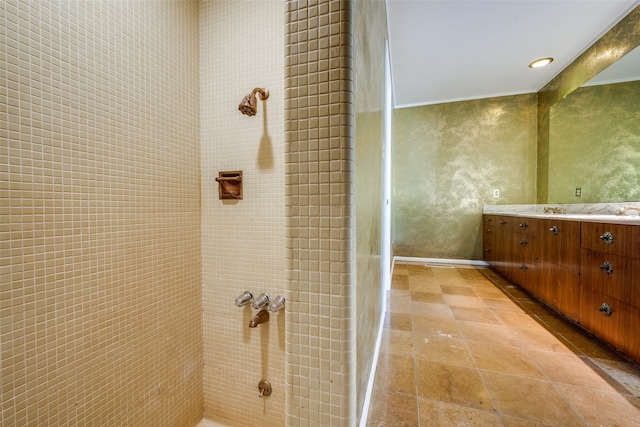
(323, 368)
(242, 47)
(319, 179)
(100, 292)
(305, 182)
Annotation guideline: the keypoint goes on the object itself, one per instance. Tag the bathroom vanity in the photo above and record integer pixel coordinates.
(584, 265)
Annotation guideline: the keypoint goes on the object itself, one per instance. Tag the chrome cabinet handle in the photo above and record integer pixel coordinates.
(607, 237)
(605, 309)
(554, 230)
(523, 242)
(607, 267)
(523, 225)
(523, 267)
(489, 231)
(503, 222)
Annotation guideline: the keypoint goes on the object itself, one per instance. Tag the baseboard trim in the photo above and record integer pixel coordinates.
(417, 260)
(372, 375)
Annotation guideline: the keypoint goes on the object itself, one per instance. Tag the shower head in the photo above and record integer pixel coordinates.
(249, 105)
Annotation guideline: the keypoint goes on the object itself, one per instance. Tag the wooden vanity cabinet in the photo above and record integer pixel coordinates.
(542, 256)
(588, 271)
(610, 300)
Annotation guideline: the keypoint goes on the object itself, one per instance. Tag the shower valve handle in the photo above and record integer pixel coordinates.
(261, 301)
(244, 299)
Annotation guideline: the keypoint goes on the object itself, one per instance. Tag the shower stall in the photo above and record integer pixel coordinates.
(120, 264)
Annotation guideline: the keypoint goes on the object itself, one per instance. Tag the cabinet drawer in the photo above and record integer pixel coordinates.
(612, 275)
(506, 224)
(623, 240)
(606, 317)
(527, 226)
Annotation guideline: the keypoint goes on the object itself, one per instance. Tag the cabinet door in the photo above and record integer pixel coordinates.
(560, 288)
(527, 254)
(632, 348)
(489, 222)
(525, 265)
(561, 243)
(633, 286)
(503, 246)
(609, 274)
(528, 226)
(605, 317)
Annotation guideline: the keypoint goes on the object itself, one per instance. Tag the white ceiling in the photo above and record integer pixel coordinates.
(452, 50)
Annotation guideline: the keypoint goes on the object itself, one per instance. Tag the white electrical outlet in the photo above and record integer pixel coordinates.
(496, 193)
(578, 192)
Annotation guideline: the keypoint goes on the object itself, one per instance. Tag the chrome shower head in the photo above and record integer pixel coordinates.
(249, 105)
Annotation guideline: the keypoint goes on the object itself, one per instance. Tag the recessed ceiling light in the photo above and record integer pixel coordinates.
(541, 62)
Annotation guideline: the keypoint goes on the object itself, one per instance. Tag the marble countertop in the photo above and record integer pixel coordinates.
(588, 212)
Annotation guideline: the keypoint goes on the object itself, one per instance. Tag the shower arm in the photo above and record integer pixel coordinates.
(264, 93)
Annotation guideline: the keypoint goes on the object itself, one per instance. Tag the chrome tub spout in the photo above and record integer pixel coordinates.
(261, 317)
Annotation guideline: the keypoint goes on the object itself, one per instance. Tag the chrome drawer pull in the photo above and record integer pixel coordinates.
(523, 242)
(605, 309)
(554, 229)
(607, 237)
(503, 222)
(523, 267)
(523, 225)
(607, 267)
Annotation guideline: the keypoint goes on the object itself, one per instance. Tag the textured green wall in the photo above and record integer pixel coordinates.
(369, 21)
(621, 39)
(447, 160)
(594, 144)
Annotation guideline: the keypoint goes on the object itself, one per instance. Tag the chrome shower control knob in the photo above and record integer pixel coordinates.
(244, 299)
(261, 301)
(264, 387)
(277, 304)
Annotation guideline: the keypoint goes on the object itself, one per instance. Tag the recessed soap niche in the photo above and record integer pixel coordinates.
(229, 185)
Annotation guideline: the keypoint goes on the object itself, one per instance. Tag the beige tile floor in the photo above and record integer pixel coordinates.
(463, 347)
